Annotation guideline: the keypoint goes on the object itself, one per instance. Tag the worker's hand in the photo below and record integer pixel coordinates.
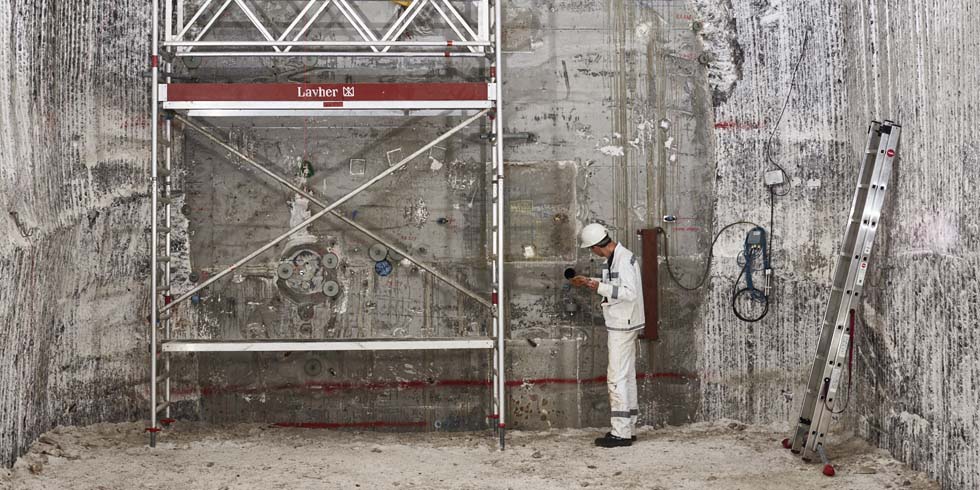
(584, 282)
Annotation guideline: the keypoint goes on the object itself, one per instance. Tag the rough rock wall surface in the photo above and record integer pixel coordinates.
(919, 369)
(72, 155)
(916, 367)
(747, 367)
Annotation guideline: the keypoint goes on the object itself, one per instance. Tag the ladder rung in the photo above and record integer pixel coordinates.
(159, 408)
(166, 201)
(163, 229)
(163, 259)
(165, 316)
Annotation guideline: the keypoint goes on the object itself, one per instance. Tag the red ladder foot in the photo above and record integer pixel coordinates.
(828, 470)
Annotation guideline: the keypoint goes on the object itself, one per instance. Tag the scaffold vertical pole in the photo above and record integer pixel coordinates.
(154, 265)
(498, 165)
(168, 243)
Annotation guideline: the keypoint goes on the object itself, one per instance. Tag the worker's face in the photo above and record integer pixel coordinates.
(600, 251)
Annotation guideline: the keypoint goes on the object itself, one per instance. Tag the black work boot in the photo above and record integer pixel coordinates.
(632, 438)
(610, 440)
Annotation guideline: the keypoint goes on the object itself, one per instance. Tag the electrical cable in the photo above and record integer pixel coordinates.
(772, 210)
(792, 81)
(711, 253)
(750, 290)
(752, 250)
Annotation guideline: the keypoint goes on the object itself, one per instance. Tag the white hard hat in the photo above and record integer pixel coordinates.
(592, 234)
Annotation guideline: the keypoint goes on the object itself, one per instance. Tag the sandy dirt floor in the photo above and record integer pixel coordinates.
(724, 455)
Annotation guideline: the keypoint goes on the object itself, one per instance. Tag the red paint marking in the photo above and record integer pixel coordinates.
(152, 429)
(891, 153)
(334, 425)
(154, 61)
(414, 384)
(333, 104)
(299, 92)
(449, 42)
(737, 125)
(493, 298)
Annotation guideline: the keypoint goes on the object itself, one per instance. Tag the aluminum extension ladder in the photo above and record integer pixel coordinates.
(851, 266)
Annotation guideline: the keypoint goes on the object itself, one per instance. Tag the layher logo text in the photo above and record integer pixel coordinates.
(323, 92)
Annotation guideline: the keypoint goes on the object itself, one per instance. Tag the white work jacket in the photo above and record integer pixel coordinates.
(622, 289)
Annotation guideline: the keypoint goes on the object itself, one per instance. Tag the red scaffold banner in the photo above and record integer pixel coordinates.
(326, 92)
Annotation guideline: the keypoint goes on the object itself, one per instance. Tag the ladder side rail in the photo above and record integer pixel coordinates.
(829, 363)
(887, 159)
(814, 379)
(832, 365)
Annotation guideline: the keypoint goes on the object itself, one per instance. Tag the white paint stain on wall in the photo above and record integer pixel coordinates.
(612, 150)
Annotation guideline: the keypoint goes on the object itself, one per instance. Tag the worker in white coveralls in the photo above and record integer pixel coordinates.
(622, 309)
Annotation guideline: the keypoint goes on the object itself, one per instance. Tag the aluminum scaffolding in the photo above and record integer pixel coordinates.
(206, 28)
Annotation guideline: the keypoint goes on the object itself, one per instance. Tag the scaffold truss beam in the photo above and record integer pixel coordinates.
(371, 28)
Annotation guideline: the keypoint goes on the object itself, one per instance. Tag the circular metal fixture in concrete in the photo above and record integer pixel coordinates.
(311, 268)
(378, 252)
(331, 288)
(312, 367)
(383, 268)
(285, 270)
(193, 277)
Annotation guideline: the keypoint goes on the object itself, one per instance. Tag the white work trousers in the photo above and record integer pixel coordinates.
(621, 379)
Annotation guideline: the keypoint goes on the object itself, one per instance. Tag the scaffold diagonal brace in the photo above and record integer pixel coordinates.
(396, 249)
(323, 212)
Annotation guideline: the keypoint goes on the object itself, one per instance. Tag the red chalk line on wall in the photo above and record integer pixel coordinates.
(404, 385)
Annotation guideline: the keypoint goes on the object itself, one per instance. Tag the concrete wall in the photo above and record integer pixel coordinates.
(602, 89)
(73, 140)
